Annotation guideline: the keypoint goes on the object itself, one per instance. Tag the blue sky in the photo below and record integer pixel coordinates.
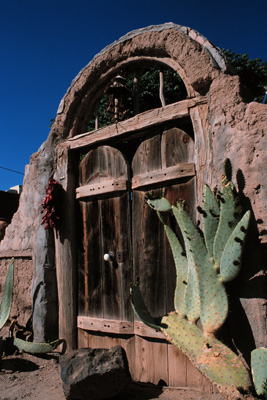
(44, 45)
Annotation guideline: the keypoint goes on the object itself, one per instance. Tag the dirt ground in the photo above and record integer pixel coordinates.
(29, 377)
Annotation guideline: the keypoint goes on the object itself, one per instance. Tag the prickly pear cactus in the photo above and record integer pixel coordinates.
(5, 308)
(36, 348)
(259, 369)
(6, 301)
(200, 292)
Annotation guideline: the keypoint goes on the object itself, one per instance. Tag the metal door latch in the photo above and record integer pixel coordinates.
(119, 256)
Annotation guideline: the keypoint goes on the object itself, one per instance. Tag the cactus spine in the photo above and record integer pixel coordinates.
(207, 265)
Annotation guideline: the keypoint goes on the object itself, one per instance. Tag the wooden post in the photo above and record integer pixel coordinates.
(136, 94)
(65, 250)
(161, 89)
(96, 115)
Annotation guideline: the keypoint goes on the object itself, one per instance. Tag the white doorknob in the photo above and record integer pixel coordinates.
(109, 256)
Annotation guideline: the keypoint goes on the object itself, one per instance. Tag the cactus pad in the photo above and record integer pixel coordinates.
(227, 221)
(36, 348)
(140, 308)
(6, 302)
(200, 293)
(230, 262)
(259, 369)
(216, 361)
(211, 212)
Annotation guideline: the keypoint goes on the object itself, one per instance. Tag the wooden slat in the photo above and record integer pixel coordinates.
(177, 365)
(82, 339)
(148, 231)
(141, 121)
(117, 327)
(164, 175)
(141, 329)
(151, 361)
(196, 379)
(101, 188)
(105, 325)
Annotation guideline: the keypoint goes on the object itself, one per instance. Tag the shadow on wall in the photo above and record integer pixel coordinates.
(251, 284)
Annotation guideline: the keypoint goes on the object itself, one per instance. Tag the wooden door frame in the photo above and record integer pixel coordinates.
(65, 240)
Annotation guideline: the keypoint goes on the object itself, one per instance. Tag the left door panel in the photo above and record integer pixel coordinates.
(104, 286)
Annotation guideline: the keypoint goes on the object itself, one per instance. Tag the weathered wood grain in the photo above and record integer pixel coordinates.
(151, 364)
(118, 327)
(177, 367)
(96, 189)
(83, 340)
(143, 330)
(146, 255)
(106, 228)
(177, 148)
(65, 253)
(141, 121)
(163, 175)
(105, 325)
(196, 379)
(148, 231)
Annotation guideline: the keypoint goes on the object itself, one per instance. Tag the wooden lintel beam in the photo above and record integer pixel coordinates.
(101, 188)
(163, 175)
(139, 122)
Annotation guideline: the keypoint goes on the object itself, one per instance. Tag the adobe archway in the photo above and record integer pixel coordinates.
(189, 54)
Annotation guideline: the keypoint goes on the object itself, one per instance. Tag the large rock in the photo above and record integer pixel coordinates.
(94, 374)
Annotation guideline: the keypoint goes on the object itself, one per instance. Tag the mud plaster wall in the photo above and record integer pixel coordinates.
(22, 304)
(226, 127)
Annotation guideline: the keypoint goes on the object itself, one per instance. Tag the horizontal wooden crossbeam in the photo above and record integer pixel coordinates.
(138, 181)
(164, 175)
(95, 189)
(117, 327)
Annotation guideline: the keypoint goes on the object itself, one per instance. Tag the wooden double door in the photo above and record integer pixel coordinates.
(118, 222)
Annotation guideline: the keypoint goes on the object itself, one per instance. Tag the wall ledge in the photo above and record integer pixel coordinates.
(16, 253)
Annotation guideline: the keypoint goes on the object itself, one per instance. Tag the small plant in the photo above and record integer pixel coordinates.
(202, 268)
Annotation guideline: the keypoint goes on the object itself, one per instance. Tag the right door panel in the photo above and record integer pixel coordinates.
(153, 262)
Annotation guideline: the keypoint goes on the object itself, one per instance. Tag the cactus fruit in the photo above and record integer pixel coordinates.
(6, 302)
(207, 265)
(259, 369)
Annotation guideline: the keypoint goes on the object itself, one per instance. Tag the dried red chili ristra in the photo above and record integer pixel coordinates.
(50, 204)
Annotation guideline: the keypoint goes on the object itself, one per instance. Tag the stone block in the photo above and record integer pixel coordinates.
(94, 374)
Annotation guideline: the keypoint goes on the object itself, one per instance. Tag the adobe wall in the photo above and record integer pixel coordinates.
(22, 303)
(227, 127)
